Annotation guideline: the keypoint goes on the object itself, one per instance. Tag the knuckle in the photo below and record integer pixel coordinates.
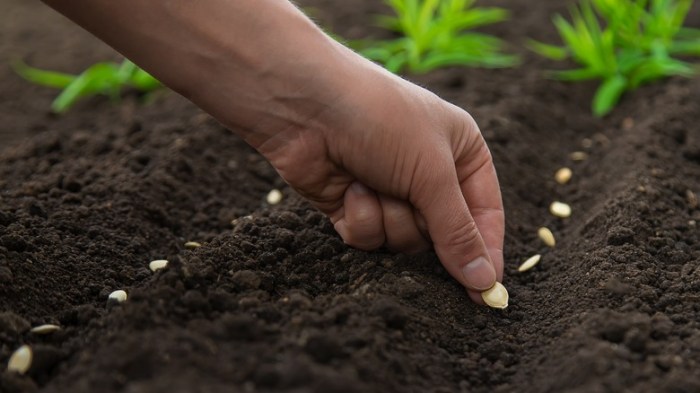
(463, 238)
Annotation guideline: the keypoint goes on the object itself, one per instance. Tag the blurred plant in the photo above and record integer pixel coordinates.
(433, 36)
(635, 45)
(106, 78)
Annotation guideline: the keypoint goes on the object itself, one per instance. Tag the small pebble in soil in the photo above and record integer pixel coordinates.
(157, 265)
(563, 175)
(530, 263)
(45, 329)
(192, 245)
(246, 279)
(578, 156)
(627, 123)
(496, 296)
(692, 199)
(21, 360)
(560, 209)
(240, 222)
(546, 236)
(118, 295)
(274, 197)
(11, 323)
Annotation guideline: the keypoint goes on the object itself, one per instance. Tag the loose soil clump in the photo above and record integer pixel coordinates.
(272, 300)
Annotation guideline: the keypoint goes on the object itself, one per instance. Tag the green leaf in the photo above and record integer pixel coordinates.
(126, 71)
(380, 54)
(143, 81)
(623, 43)
(477, 18)
(580, 74)
(685, 48)
(654, 69)
(396, 63)
(104, 78)
(100, 78)
(435, 33)
(388, 22)
(549, 51)
(608, 95)
(687, 33)
(53, 79)
(442, 59)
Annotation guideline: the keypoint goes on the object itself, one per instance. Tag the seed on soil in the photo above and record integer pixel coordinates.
(118, 295)
(274, 197)
(192, 245)
(496, 296)
(563, 175)
(530, 263)
(546, 236)
(21, 360)
(155, 265)
(45, 329)
(560, 209)
(578, 156)
(587, 143)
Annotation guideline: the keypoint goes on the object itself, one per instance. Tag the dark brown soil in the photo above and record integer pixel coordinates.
(278, 303)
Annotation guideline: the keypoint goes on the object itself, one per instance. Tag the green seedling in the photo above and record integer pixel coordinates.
(106, 78)
(434, 34)
(635, 44)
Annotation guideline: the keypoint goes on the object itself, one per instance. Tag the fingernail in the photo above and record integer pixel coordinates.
(479, 274)
(360, 188)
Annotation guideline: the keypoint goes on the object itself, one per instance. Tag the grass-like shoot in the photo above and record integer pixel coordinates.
(434, 34)
(105, 78)
(623, 44)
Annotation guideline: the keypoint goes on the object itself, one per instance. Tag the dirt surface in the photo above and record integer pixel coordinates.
(279, 303)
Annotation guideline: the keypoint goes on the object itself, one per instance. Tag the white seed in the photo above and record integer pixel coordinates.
(546, 236)
(118, 295)
(563, 175)
(496, 296)
(45, 329)
(274, 197)
(530, 263)
(560, 209)
(192, 245)
(21, 360)
(578, 156)
(156, 265)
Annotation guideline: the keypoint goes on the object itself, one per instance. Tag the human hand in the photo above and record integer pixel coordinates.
(388, 162)
(392, 164)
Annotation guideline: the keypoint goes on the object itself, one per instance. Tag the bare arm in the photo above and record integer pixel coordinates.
(243, 57)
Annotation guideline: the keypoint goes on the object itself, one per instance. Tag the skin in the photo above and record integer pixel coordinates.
(389, 162)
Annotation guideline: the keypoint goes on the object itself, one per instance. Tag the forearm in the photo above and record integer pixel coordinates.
(253, 64)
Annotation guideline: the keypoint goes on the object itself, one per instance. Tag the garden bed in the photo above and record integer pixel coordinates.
(276, 301)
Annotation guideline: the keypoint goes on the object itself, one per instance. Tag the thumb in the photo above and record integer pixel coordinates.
(454, 233)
